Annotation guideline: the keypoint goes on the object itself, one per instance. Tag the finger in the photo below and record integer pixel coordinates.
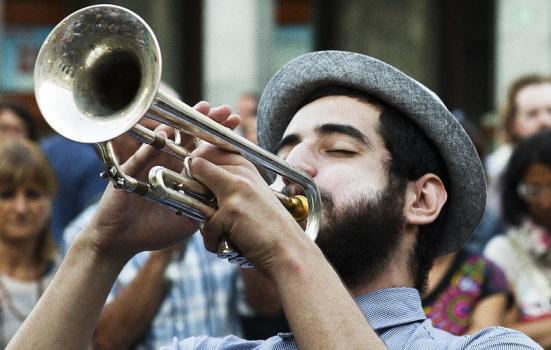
(139, 164)
(232, 122)
(202, 107)
(213, 232)
(139, 160)
(165, 131)
(220, 114)
(215, 177)
(217, 156)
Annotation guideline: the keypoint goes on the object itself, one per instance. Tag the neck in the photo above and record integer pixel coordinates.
(388, 279)
(18, 260)
(397, 273)
(444, 261)
(439, 270)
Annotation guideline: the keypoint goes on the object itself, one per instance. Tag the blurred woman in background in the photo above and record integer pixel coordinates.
(526, 111)
(524, 252)
(15, 122)
(28, 258)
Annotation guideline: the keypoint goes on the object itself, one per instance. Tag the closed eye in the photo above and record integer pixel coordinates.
(341, 151)
(33, 194)
(7, 194)
(532, 114)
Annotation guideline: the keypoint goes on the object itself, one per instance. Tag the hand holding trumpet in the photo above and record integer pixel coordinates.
(248, 213)
(126, 224)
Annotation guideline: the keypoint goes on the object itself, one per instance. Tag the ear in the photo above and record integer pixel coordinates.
(425, 198)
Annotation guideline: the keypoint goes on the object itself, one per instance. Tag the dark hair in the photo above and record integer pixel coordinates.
(24, 115)
(510, 108)
(534, 149)
(412, 156)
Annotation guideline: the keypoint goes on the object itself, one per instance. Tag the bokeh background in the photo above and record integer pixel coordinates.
(467, 51)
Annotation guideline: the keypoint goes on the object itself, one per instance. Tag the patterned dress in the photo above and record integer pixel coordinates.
(470, 279)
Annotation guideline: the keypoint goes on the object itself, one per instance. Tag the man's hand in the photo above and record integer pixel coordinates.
(248, 212)
(124, 223)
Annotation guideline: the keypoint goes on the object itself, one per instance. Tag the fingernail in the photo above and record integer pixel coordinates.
(200, 103)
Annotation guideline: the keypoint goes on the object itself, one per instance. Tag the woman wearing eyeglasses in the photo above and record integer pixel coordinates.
(28, 256)
(524, 252)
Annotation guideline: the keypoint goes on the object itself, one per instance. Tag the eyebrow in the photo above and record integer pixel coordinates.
(328, 129)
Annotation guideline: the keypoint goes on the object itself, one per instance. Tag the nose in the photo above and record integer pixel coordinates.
(303, 157)
(21, 202)
(545, 120)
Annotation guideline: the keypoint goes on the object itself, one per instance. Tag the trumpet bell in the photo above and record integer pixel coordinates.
(97, 73)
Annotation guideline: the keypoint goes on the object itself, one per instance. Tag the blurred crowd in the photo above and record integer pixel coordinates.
(50, 188)
(502, 275)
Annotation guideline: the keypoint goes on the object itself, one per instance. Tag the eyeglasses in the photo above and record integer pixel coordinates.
(531, 192)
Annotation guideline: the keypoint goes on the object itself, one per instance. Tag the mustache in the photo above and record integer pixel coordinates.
(292, 189)
(327, 200)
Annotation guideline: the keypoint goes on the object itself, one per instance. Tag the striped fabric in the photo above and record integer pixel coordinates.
(203, 299)
(397, 316)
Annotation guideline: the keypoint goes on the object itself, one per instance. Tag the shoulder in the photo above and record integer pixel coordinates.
(499, 338)
(48, 142)
(485, 266)
(494, 338)
(61, 147)
(498, 247)
(478, 259)
(501, 251)
(229, 342)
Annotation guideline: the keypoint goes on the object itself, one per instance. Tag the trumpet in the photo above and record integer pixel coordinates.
(98, 73)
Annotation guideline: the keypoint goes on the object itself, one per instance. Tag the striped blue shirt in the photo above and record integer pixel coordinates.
(205, 296)
(397, 316)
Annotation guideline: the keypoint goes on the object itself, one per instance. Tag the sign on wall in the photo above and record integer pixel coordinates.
(20, 46)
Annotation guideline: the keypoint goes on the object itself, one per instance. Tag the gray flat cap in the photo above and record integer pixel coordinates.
(298, 79)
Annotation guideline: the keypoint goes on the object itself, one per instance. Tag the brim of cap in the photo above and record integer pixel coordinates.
(298, 79)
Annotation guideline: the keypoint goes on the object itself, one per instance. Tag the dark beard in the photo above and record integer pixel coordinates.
(359, 241)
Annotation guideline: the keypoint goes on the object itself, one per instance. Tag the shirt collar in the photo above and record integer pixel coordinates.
(388, 307)
(391, 307)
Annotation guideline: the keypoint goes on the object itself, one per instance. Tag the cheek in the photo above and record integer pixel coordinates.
(42, 213)
(525, 126)
(3, 211)
(347, 183)
(47, 211)
(541, 213)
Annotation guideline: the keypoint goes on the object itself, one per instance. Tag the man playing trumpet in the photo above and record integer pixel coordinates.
(401, 184)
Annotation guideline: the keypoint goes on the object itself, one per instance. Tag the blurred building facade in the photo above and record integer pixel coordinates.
(465, 50)
(523, 40)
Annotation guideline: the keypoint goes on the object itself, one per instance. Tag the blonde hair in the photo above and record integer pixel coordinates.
(22, 161)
